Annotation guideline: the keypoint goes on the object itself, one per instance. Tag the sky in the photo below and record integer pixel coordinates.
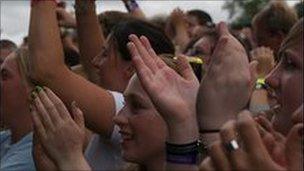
(14, 14)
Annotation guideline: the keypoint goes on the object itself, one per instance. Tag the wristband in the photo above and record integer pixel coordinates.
(260, 83)
(209, 131)
(131, 5)
(183, 153)
(34, 2)
(259, 108)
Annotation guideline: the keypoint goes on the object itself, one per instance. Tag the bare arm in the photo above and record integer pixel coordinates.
(178, 23)
(134, 9)
(91, 38)
(48, 68)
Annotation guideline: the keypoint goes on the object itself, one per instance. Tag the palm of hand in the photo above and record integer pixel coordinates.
(173, 94)
(65, 140)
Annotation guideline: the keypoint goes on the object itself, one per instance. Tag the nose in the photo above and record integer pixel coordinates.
(121, 118)
(95, 61)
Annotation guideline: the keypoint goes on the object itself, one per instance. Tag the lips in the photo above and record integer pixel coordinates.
(126, 136)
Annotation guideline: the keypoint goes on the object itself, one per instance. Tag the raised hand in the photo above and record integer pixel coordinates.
(265, 58)
(60, 135)
(41, 159)
(65, 19)
(227, 85)
(173, 94)
(251, 153)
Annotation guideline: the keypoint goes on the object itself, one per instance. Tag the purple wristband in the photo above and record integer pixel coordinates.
(190, 158)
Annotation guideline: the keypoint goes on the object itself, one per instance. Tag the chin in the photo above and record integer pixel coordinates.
(129, 157)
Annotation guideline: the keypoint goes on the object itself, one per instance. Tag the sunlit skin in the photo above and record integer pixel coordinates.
(287, 81)
(110, 65)
(142, 129)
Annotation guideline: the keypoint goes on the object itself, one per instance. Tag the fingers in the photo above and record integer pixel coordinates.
(143, 71)
(249, 134)
(185, 69)
(294, 148)
(265, 123)
(207, 165)
(63, 112)
(159, 62)
(78, 115)
(42, 112)
(39, 129)
(143, 53)
(222, 29)
(48, 105)
(144, 40)
(228, 135)
(219, 159)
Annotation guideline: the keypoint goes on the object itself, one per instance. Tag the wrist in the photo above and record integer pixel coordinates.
(83, 7)
(34, 2)
(213, 120)
(75, 162)
(183, 132)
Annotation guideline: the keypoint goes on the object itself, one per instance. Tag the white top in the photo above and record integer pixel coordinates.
(103, 153)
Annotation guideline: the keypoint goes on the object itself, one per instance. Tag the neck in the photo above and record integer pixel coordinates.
(20, 126)
(156, 163)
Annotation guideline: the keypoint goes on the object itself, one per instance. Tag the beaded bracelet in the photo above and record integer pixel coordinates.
(183, 153)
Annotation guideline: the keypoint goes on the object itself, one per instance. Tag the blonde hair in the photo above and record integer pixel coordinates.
(22, 59)
(277, 16)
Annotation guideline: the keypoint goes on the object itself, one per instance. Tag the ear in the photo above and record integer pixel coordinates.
(129, 70)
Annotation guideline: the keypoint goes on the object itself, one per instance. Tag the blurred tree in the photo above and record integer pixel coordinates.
(242, 11)
(299, 7)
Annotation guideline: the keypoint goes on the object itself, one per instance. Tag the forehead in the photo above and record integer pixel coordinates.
(135, 89)
(10, 62)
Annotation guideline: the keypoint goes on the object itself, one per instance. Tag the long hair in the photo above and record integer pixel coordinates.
(294, 36)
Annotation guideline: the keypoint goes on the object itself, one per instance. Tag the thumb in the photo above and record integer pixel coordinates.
(222, 29)
(294, 148)
(78, 115)
(184, 68)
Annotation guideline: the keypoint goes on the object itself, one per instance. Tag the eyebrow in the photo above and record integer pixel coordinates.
(133, 96)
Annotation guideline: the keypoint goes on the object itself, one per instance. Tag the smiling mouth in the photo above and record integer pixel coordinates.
(126, 136)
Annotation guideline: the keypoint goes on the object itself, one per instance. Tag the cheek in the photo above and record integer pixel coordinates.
(292, 91)
(150, 133)
(292, 98)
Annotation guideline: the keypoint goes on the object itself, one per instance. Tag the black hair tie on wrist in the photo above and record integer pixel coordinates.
(183, 153)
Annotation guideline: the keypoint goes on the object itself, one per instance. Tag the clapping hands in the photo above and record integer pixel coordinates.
(173, 93)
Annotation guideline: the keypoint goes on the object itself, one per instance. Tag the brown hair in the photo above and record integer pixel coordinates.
(294, 37)
(109, 19)
(277, 16)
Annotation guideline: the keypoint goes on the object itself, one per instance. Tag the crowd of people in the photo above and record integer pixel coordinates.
(121, 91)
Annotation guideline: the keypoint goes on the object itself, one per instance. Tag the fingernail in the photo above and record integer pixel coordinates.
(38, 89)
(74, 104)
(33, 95)
(300, 131)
